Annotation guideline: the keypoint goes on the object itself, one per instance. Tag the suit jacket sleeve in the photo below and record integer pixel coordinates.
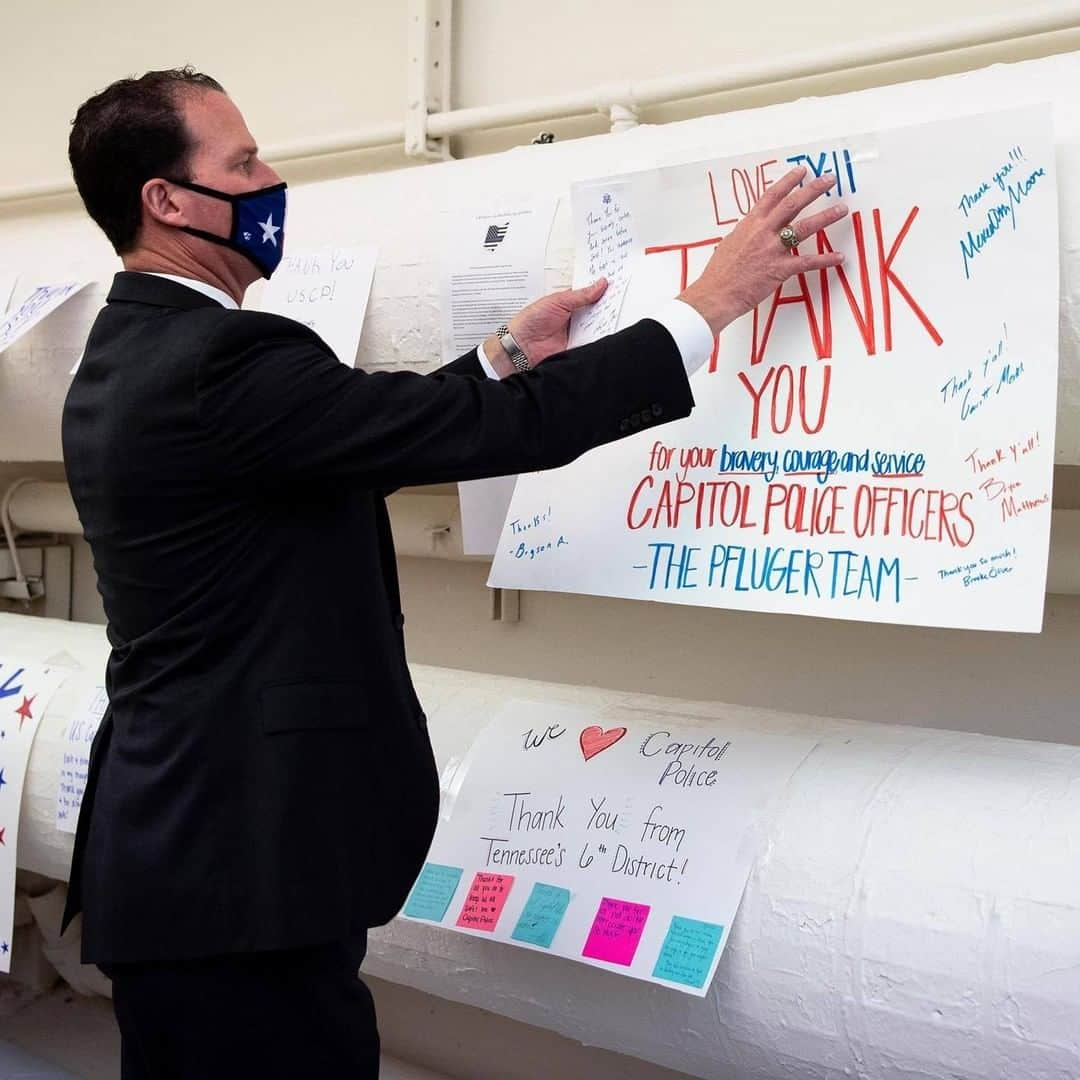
(278, 405)
(467, 365)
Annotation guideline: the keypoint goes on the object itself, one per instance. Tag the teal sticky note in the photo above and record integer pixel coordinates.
(688, 951)
(542, 914)
(433, 891)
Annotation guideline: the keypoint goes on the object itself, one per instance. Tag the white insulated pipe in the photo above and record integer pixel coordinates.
(914, 910)
(43, 506)
(425, 526)
(1010, 27)
(403, 215)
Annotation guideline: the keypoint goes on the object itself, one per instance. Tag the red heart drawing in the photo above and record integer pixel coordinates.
(595, 738)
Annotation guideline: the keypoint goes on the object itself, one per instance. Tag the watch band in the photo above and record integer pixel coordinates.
(513, 349)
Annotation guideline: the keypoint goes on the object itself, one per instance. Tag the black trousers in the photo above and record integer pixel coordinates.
(288, 1014)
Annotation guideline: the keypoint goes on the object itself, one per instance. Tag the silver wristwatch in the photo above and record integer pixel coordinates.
(513, 349)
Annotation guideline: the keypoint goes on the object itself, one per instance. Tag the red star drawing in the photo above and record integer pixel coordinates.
(23, 711)
(2, 837)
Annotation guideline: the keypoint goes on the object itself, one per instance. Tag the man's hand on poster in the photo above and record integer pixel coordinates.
(753, 261)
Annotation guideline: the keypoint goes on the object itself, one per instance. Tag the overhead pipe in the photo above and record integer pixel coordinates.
(630, 96)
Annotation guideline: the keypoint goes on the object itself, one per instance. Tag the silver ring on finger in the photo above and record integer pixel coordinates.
(788, 237)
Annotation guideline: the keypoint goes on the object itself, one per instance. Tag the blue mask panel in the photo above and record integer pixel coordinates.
(258, 223)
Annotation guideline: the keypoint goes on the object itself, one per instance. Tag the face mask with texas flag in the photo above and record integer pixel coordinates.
(258, 223)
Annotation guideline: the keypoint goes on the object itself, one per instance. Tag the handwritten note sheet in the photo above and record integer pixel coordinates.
(25, 693)
(75, 763)
(483, 512)
(39, 305)
(326, 290)
(624, 844)
(875, 441)
(605, 246)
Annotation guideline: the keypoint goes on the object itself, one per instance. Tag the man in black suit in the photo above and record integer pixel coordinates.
(262, 788)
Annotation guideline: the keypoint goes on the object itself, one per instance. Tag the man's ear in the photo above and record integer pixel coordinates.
(158, 202)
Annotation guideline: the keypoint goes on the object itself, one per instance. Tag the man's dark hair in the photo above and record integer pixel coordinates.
(129, 133)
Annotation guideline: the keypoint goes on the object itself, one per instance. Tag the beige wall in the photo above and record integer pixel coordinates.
(301, 71)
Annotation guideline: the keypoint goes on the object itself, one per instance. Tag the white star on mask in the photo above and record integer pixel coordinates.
(269, 229)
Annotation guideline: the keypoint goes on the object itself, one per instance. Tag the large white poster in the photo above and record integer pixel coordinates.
(873, 442)
(624, 846)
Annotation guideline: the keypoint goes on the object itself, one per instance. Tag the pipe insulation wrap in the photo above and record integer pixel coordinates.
(424, 525)
(914, 911)
(403, 213)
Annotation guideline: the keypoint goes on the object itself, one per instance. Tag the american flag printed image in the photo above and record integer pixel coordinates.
(495, 236)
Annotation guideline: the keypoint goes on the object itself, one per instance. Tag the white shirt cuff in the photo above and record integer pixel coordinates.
(689, 329)
(485, 363)
(685, 324)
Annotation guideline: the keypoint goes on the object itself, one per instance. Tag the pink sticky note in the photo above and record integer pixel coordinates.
(616, 931)
(483, 905)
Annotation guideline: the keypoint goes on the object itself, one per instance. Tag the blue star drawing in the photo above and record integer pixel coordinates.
(2, 780)
(4, 947)
(270, 230)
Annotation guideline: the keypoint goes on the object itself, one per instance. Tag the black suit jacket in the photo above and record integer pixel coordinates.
(263, 777)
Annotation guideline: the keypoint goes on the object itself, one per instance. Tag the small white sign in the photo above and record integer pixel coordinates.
(75, 764)
(326, 290)
(483, 511)
(39, 305)
(622, 842)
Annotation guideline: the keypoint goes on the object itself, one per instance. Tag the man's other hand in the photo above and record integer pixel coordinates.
(542, 328)
(752, 262)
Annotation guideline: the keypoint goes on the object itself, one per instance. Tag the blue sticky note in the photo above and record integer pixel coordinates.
(688, 951)
(543, 912)
(433, 891)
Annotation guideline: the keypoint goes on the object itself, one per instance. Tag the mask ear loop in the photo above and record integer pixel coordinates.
(225, 196)
(234, 228)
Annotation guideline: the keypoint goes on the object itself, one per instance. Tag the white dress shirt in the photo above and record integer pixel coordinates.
(220, 295)
(691, 332)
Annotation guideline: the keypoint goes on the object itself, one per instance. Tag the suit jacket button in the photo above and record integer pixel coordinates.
(646, 416)
(658, 410)
(624, 426)
(635, 421)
